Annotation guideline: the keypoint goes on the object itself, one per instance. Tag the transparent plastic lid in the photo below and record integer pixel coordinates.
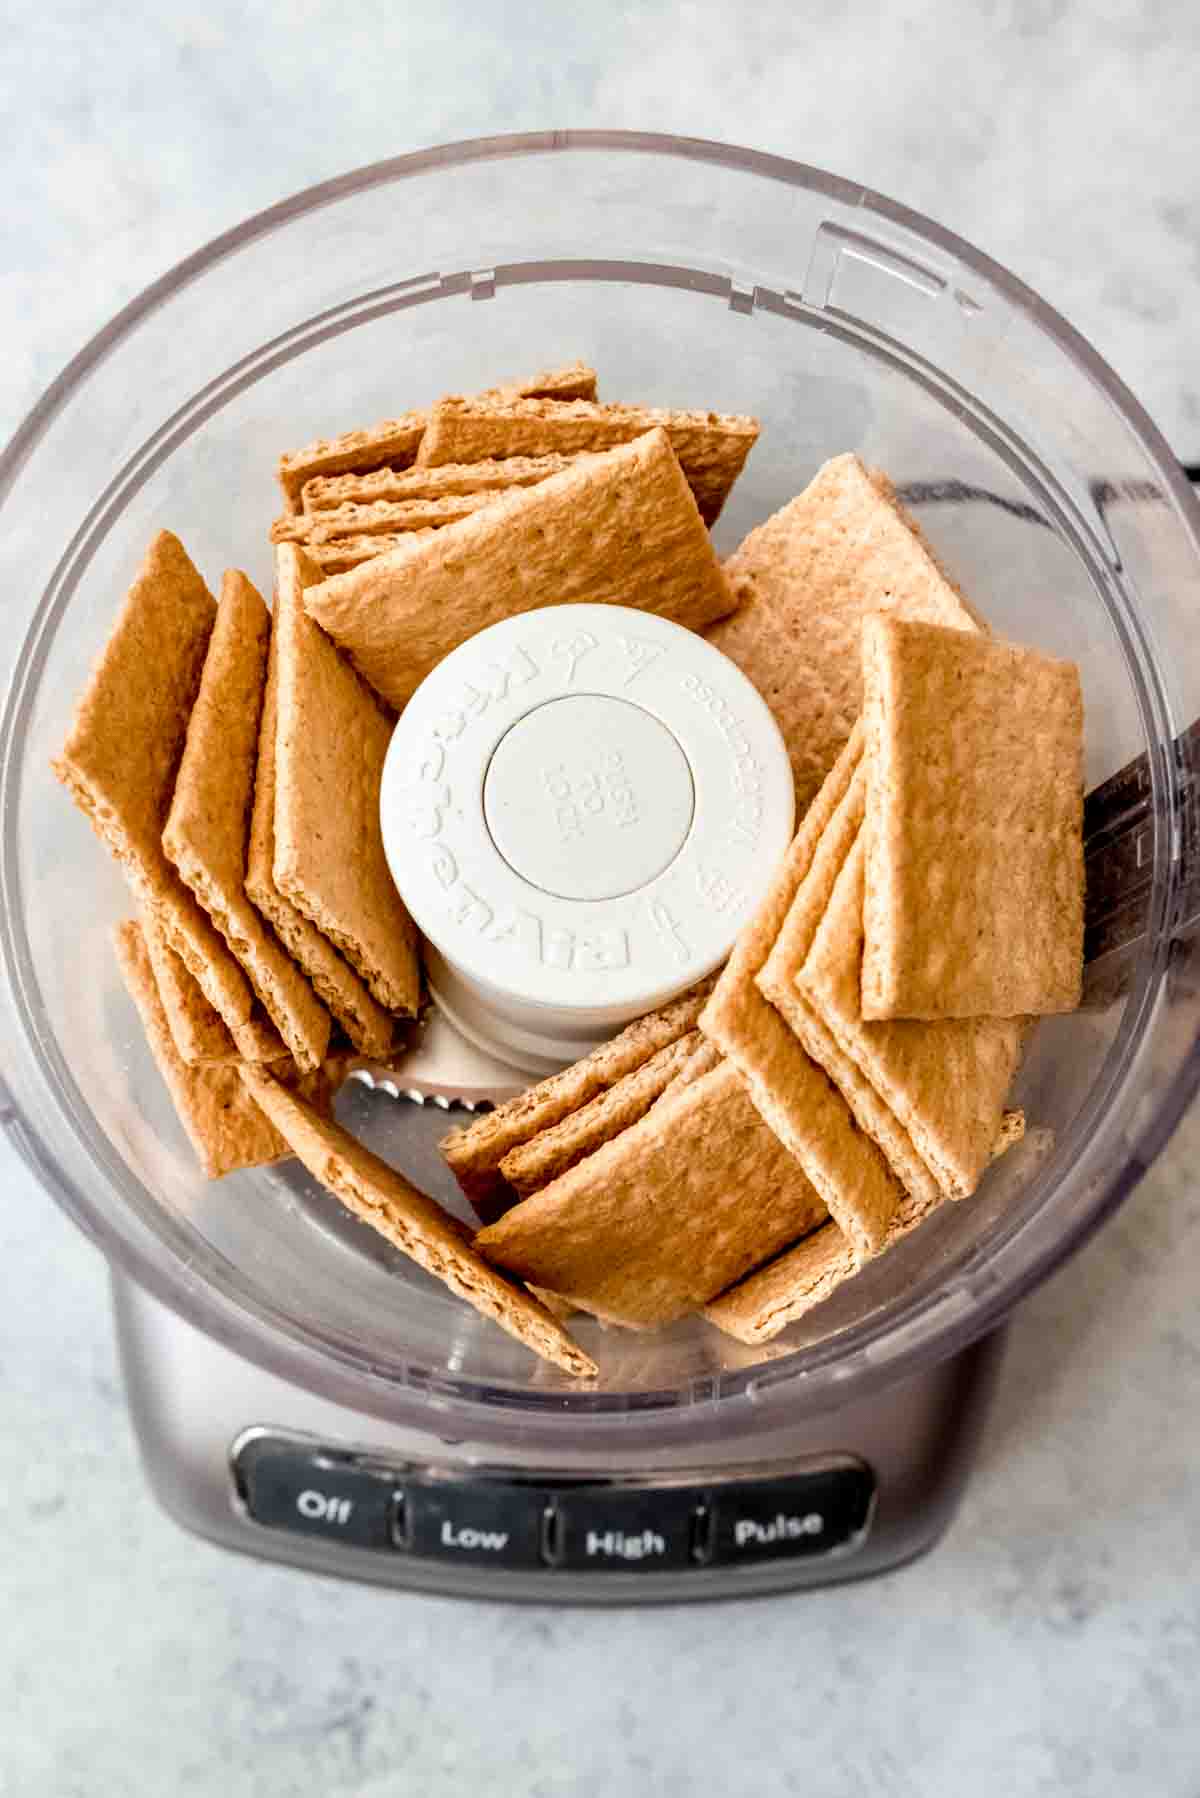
(690, 275)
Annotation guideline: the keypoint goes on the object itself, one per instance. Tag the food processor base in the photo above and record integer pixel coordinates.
(744, 1500)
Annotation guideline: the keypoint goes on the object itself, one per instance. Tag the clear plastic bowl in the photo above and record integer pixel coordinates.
(690, 274)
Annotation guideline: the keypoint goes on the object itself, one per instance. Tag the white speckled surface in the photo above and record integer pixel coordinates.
(1051, 1643)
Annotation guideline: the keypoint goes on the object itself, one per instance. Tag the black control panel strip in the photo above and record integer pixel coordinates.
(514, 1521)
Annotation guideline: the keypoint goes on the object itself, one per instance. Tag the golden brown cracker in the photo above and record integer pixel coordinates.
(382, 518)
(370, 1028)
(331, 740)
(198, 1030)
(444, 482)
(225, 1126)
(124, 747)
(762, 1305)
(711, 447)
(535, 1163)
(792, 1093)
(474, 1153)
(653, 1224)
(974, 879)
(208, 824)
(383, 1198)
(619, 528)
(805, 579)
(776, 982)
(570, 381)
(258, 1040)
(345, 553)
(945, 1081)
(395, 442)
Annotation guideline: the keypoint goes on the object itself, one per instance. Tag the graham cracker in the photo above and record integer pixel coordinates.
(792, 1093)
(553, 1151)
(370, 1028)
(209, 821)
(323, 494)
(381, 518)
(474, 1153)
(759, 1307)
(571, 381)
(199, 1032)
(944, 1081)
(776, 983)
(394, 442)
(762, 1305)
(197, 1028)
(331, 740)
(655, 1222)
(974, 889)
(621, 527)
(805, 579)
(702, 1059)
(124, 747)
(383, 1198)
(224, 1125)
(711, 446)
(345, 553)
(258, 1040)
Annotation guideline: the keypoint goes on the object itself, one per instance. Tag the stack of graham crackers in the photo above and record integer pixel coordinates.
(742, 1153)
(230, 757)
(747, 1146)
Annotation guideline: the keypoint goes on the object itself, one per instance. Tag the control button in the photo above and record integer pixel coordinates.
(607, 1530)
(286, 1486)
(808, 1514)
(488, 1523)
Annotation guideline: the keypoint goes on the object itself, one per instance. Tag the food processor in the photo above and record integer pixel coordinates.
(302, 1392)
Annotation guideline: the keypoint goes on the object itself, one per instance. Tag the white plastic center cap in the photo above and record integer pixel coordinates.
(580, 807)
(588, 797)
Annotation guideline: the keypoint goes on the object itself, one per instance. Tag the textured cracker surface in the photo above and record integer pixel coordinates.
(384, 517)
(198, 1030)
(345, 553)
(225, 1126)
(322, 494)
(712, 447)
(797, 1281)
(258, 1040)
(331, 740)
(474, 1153)
(209, 822)
(395, 441)
(124, 747)
(804, 580)
(974, 903)
(553, 1151)
(945, 1081)
(621, 527)
(776, 983)
(386, 1201)
(370, 1028)
(791, 1092)
(667, 1214)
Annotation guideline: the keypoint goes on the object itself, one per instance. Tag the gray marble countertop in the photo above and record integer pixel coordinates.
(1050, 1644)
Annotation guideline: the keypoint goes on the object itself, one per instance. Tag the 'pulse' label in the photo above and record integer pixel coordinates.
(748, 1532)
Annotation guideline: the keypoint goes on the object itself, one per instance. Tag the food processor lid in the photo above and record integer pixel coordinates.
(952, 324)
(581, 806)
